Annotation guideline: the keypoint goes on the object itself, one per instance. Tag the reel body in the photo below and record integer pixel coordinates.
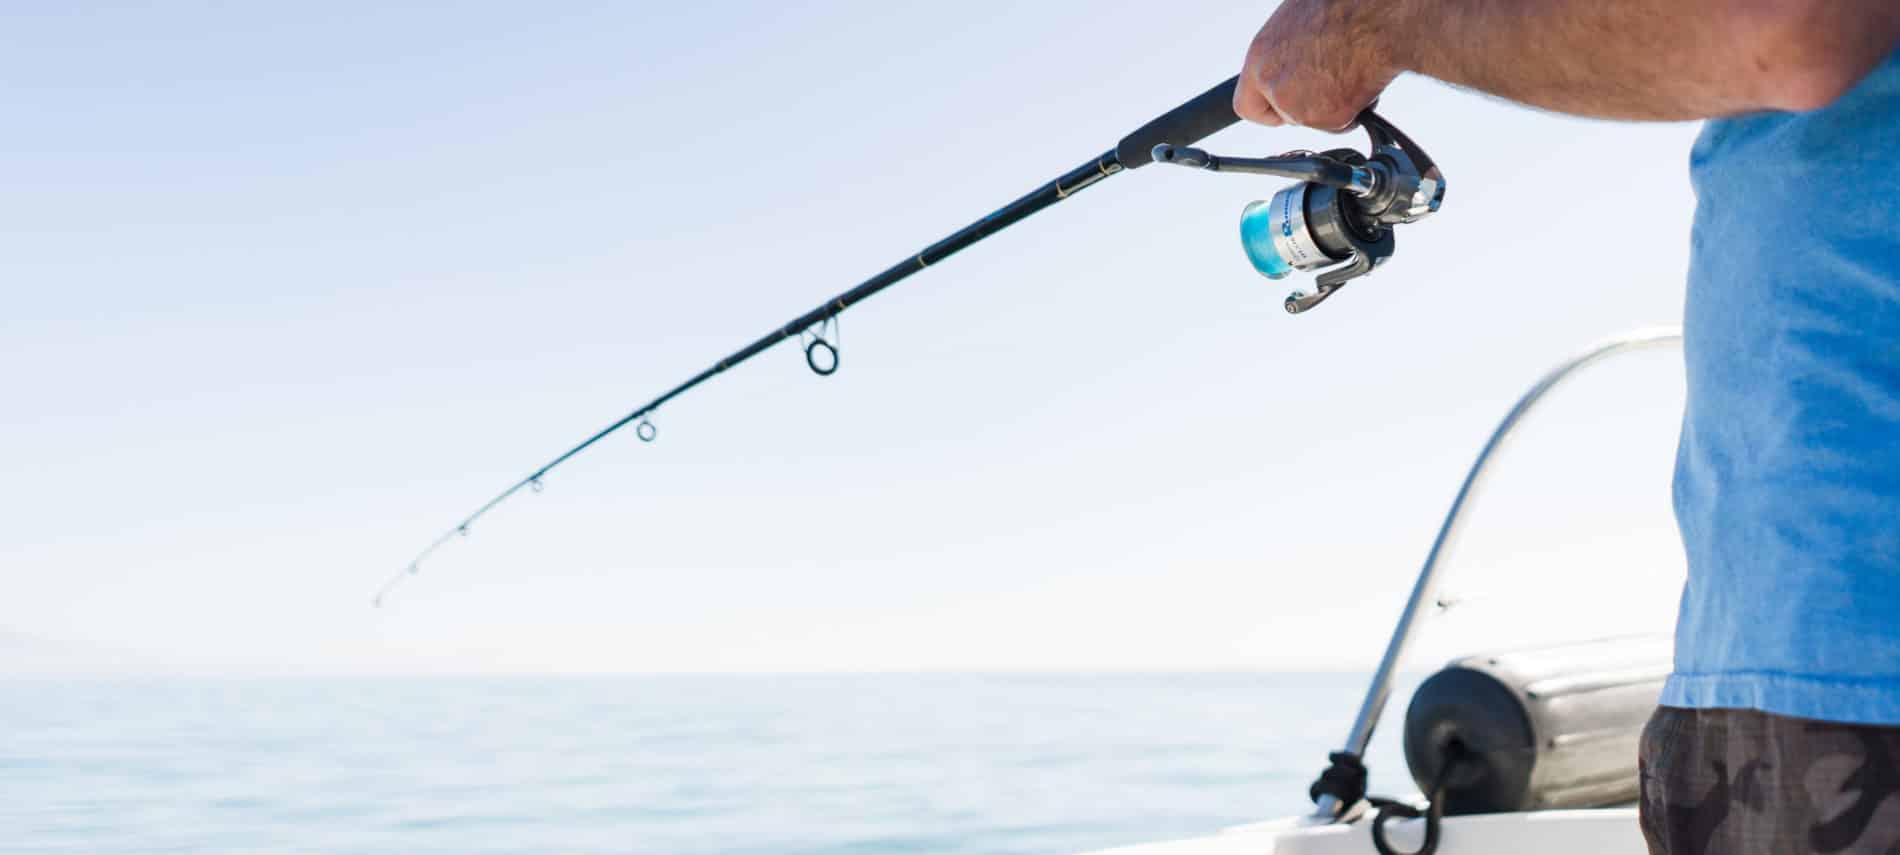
(1339, 219)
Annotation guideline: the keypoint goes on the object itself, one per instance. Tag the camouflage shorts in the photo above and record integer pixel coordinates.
(1739, 782)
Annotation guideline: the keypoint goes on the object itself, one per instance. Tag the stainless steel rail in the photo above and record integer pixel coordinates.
(1423, 591)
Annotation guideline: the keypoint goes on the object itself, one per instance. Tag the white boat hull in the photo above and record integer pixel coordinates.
(1610, 831)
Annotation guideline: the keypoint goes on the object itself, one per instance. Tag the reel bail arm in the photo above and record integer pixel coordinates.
(1314, 168)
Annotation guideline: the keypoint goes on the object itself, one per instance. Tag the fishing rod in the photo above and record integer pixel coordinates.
(1338, 220)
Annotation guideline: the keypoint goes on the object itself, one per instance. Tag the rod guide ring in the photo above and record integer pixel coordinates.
(822, 366)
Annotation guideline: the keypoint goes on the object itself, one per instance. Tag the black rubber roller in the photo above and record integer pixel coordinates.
(1554, 727)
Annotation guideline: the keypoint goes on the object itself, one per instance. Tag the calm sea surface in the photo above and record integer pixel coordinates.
(700, 764)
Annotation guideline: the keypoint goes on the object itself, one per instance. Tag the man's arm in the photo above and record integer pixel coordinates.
(1318, 62)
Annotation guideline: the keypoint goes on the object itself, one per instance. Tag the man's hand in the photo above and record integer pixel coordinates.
(1317, 63)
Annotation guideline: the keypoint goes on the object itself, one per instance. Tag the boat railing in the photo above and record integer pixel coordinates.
(1424, 590)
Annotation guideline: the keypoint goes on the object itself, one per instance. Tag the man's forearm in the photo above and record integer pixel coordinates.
(1647, 59)
(1317, 62)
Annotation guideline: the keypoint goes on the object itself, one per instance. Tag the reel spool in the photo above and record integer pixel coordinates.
(1339, 219)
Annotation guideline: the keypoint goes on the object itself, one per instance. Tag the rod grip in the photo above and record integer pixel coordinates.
(1185, 125)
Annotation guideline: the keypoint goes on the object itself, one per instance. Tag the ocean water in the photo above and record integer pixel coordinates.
(942, 763)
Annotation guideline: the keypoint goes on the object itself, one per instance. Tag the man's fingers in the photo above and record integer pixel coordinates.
(1250, 97)
(1251, 104)
(1335, 121)
(1303, 69)
(1280, 109)
(1341, 113)
(1286, 106)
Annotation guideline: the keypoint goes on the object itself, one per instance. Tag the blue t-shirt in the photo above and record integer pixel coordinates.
(1788, 475)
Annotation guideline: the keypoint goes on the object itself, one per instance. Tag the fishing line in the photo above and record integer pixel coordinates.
(1338, 219)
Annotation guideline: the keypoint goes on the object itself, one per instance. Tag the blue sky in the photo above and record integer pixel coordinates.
(292, 287)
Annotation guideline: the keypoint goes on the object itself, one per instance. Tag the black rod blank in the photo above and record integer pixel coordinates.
(1189, 123)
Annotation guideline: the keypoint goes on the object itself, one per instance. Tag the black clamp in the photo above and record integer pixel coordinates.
(1345, 780)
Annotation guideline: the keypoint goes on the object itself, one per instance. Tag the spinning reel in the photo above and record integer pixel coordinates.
(1341, 215)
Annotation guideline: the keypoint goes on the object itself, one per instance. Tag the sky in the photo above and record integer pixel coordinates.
(290, 288)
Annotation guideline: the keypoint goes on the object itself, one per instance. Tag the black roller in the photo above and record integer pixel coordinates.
(1553, 727)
